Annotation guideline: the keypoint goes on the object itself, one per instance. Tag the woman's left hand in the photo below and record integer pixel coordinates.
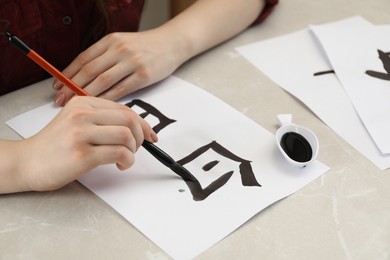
(121, 63)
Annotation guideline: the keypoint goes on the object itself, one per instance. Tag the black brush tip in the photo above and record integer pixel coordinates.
(183, 172)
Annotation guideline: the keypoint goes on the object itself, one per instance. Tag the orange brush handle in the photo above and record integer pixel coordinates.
(56, 73)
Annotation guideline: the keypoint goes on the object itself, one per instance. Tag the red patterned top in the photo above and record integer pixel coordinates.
(57, 31)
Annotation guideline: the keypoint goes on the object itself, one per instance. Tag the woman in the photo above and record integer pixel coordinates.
(115, 60)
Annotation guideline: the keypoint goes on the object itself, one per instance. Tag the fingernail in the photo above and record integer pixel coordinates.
(154, 136)
(60, 99)
(57, 85)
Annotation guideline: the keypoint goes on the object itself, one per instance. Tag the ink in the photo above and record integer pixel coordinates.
(151, 110)
(385, 58)
(296, 147)
(210, 165)
(323, 72)
(198, 193)
(247, 176)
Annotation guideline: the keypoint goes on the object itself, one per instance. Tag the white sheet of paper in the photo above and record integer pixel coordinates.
(352, 50)
(291, 61)
(157, 202)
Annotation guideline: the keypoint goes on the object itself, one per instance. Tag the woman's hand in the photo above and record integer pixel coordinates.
(122, 63)
(87, 132)
(119, 64)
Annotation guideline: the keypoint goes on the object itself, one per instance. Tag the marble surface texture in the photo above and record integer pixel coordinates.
(345, 214)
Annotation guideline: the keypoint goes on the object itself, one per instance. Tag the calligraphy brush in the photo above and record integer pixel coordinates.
(151, 148)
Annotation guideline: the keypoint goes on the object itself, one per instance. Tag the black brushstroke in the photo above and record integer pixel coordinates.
(198, 193)
(210, 165)
(323, 72)
(385, 58)
(151, 110)
(247, 176)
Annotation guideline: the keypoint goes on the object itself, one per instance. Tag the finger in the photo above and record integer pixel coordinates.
(112, 135)
(128, 85)
(140, 128)
(94, 102)
(83, 70)
(111, 113)
(86, 75)
(89, 71)
(82, 59)
(121, 115)
(147, 130)
(63, 96)
(108, 78)
(138, 132)
(109, 154)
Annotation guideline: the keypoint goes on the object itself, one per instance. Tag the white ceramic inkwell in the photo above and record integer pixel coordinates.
(298, 144)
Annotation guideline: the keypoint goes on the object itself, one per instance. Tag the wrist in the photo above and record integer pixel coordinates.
(179, 43)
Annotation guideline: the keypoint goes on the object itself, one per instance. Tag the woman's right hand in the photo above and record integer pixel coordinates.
(87, 132)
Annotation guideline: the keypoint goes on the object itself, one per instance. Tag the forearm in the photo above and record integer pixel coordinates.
(11, 175)
(209, 22)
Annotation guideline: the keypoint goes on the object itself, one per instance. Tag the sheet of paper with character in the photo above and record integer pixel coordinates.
(236, 162)
(298, 64)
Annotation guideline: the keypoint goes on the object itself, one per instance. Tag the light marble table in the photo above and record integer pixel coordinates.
(345, 214)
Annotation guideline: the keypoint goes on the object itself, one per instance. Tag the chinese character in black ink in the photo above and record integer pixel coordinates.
(385, 58)
(151, 110)
(323, 72)
(247, 176)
